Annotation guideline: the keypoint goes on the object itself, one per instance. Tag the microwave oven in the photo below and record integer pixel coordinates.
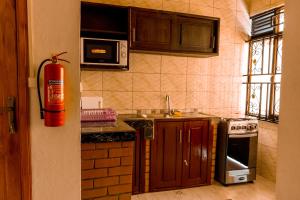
(104, 53)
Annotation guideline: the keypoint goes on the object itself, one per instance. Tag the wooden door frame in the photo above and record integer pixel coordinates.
(23, 97)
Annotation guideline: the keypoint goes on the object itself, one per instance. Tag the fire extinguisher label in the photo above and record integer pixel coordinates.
(55, 92)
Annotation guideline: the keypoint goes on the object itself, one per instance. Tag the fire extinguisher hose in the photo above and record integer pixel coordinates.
(38, 87)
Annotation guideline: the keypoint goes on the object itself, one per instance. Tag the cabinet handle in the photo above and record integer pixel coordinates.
(133, 34)
(213, 42)
(189, 137)
(180, 36)
(186, 163)
(180, 136)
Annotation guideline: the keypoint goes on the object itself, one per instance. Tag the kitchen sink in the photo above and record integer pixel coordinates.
(166, 116)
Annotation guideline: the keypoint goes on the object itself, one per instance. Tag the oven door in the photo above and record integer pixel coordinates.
(99, 51)
(241, 158)
(241, 151)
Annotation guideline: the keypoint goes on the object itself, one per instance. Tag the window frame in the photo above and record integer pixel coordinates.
(272, 86)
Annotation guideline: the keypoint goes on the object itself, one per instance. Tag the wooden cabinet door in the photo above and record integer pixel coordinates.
(166, 156)
(150, 30)
(195, 34)
(196, 149)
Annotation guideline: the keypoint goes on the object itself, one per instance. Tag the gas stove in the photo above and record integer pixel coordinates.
(242, 125)
(236, 150)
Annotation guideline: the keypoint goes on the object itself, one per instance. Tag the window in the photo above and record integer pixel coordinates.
(265, 65)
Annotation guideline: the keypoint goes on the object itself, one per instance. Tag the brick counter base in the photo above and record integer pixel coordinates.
(106, 170)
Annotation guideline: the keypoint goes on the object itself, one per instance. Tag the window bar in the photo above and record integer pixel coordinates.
(261, 74)
(277, 50)
(260, 99)
(273, 115)
(263, 55)
(276, 19)
(269, 62)
(274, 63)
(249, 78)
(261, 37)
(267, 100)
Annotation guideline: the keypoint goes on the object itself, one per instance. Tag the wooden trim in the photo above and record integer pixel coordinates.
(23, 99)
(143, 162)
(210, 148)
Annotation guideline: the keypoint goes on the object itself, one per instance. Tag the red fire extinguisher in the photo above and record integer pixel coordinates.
(54, 111)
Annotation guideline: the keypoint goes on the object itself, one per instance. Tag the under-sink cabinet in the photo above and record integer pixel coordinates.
(181, 154)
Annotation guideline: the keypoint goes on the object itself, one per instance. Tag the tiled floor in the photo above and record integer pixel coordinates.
(262, 189)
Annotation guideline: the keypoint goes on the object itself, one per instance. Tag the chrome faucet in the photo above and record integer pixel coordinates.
(168, 105)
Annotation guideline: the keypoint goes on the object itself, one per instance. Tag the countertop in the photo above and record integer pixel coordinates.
(120, 126)
(93, 127)
(95, 132)
(133, 117)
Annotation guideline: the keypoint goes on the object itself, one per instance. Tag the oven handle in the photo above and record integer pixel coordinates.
(118, 52)
(244, 135)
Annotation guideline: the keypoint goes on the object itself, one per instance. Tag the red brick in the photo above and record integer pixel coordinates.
(94, 154)
(125, 196)
(87, 164)
(87, 194)
(94, 173)
(107, 181)
(123, 170)
(125, 179)
(127, 160)
(88, 146)
(108, 198)
(120, 152)
(110, 162)
(119, 189)
(87, 184)
(128, 144)
(108, 145)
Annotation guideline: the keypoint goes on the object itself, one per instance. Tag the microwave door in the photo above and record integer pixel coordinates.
(101, 51)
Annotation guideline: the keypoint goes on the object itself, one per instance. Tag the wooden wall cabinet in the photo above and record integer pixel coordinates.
(195, 35)
(150, 30)
(104, 21)
(180, 154)
(173, 33)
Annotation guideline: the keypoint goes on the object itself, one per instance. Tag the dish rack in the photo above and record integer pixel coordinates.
(98, 115)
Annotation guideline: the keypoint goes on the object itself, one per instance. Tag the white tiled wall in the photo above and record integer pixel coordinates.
(208, 84)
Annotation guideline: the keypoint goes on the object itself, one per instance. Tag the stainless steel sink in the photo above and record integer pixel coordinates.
(166, 116)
